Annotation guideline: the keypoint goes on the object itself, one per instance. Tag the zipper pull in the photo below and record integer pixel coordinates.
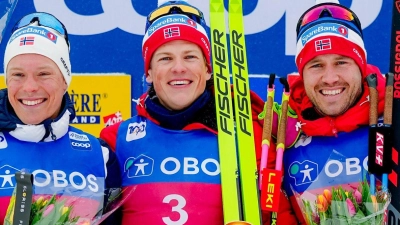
(53, 136)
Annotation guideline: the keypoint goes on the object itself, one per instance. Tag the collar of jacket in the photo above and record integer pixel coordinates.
(48, 130)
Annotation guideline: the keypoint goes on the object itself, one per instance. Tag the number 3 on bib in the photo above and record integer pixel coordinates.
(183, 215)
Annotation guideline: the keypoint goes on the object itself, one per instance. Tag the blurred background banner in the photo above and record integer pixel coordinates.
(106, 36)
(6, 11)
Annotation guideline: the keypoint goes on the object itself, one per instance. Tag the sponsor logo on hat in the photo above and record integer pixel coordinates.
(168, 20)
(191, 22)
(323, 44)
(27, 41)
(35, 30)
(322, 29)
(172, 32)
(65, 66)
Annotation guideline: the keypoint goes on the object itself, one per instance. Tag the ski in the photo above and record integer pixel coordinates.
(226, 128)
(393, 216)
(236, 146)
(244, 123)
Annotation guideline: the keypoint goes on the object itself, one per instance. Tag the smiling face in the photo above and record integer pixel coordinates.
(333, 83)
(179, 73)
(35, 87)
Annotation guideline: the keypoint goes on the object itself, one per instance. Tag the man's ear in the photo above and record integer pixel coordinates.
(208, 75)
(65, 87)
(149, 76)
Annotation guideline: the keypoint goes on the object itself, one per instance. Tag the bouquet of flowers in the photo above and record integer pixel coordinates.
(340, 206)
(34, 205)
(53, 209)
(45, 210)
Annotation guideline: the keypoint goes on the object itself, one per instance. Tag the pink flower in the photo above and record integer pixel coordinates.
(350, 207)
(48, 210)
(358, 197)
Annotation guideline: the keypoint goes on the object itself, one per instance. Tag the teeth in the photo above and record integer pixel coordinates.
(26, 102)
(331, 92)
(179, 82)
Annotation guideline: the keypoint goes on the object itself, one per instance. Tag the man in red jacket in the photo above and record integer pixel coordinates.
(332, 101)
(169, 152)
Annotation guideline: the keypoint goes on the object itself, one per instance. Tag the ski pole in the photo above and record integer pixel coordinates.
(387, 117)
(271, 187)
(373, 121)
(267, 126)
(281, 136)
(280, 147)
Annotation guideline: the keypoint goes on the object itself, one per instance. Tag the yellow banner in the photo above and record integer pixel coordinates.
(99, 100)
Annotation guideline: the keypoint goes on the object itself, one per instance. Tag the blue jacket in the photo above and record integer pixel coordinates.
(64, 160)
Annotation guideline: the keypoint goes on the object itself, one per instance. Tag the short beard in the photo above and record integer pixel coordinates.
(354, 99)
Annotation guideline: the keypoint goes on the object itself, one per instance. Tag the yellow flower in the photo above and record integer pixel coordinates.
(64, 210)
(322, 203)
(40, 200)
(44, 202)
(374, 202)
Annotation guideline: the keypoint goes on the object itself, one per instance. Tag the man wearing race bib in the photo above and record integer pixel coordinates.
(169, 151)
(332, 102)
(35, 113)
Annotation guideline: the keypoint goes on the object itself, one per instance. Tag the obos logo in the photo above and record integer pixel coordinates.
(139, 166)
(7, 177)
(79, 141)
(136, 131)
(3, 141)
(303, 173)
(56, 178)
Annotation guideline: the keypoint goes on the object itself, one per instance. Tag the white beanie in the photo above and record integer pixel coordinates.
(43, 41)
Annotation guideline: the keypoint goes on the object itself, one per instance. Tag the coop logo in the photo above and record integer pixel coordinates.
(136, 131)
(79, 141)
(139, 166)
(87, 107)
(3, 141)
(56, 178)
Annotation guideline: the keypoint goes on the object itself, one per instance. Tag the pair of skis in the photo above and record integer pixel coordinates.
(235, 127)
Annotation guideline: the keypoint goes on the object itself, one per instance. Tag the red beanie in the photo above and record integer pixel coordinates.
(174, 27)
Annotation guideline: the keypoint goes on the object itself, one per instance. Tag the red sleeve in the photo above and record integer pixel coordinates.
(109, 135)
(286, 215)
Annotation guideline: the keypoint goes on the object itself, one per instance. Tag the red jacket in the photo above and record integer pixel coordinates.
(109, 134)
